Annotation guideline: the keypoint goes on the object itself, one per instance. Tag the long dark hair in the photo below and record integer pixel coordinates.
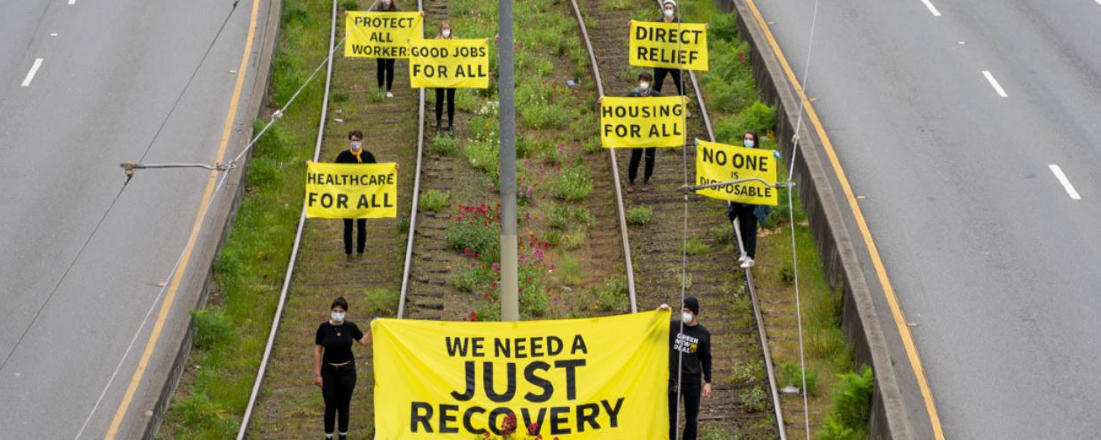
(756, 139)
(343, 303)
(393, 6)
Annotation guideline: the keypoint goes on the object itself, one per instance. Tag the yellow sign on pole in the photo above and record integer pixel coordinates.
(669, 45)
(343, 190)
(599, 378)
(642, 122)
(380, 34)
(459, 64)
(721, 163)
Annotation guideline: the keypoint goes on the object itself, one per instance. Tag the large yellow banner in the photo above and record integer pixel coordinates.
(449, 63)
(720, 163)
(642, 122)
(351, 190)
(380, 34)
(668, 45)
(599, 378)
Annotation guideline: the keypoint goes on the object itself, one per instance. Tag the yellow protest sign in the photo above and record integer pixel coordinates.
(449, 63)
(599, 378)
(642, 122)
(720, 163)
(351, 190)
(668, 45)
(380, 34)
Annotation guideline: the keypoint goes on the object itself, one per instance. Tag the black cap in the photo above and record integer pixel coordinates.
(693, 304)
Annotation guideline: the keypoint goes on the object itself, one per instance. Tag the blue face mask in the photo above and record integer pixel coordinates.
(748, 143)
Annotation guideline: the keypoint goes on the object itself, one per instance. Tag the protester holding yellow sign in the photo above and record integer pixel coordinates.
(598, 378)
(642, 124)
(669, 44)
(751, 201)
(449, 63)
(384, 34)
(354, 187)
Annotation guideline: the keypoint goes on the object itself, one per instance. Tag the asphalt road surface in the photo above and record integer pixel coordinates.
(109, 74)
(991, 256)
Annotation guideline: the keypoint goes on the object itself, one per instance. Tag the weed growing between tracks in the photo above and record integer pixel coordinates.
(734, 102)
(230, 331)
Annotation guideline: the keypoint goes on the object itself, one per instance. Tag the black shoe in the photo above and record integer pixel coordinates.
(438, 128)
(451, 131)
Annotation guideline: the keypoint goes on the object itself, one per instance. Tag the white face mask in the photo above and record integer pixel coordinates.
(686, 317)
(338, 316)
(357, 145)
(748, 143)
(669, 13)
(446, 33)
(643, 85)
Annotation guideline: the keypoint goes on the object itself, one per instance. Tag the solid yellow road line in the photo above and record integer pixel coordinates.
(196, 228)
(888, 290)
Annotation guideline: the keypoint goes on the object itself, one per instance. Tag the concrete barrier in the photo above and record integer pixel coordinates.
(860, 321)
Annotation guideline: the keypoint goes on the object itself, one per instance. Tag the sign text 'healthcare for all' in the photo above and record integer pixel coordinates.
(380, 34)
(599, 378)
(721, 163)
(642, 122)
(339, 190)
(668, 45)
(444, 63)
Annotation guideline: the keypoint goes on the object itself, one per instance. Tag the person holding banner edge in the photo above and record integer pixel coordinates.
(748, 216)
(386, 65)
(644, 90)
(669, 15)
(335, 367)
(446, 33)
(355, 154)
(691, 343)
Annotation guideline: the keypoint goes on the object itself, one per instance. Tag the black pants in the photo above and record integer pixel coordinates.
(339, 382)
(636, 156)
(659, 78)
(690, 392)
(450, 106)
(747, 222)
(386, 73)
(361, 242)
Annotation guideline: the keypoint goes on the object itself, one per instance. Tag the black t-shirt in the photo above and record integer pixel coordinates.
(337, 341)
(694, 345)
(346, 156)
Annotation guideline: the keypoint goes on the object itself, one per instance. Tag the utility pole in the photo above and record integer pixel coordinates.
(506, 89)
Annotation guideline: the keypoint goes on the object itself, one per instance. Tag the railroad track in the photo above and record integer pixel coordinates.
(291, 406)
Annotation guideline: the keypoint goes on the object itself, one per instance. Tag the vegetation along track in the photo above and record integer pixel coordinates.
(737, 406)
(574, 233)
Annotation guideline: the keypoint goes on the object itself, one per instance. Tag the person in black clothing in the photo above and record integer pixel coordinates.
(334, 365)
(446, 33)
(644, 90)
(690, 355)
(747, 215)
(355, 154)
(386, 65)
(669, 15)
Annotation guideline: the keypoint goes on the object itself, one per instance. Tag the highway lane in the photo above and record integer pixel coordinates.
(991, 258)
(105, 84)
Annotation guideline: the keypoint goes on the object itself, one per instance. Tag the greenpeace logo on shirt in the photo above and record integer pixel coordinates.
(686, 344)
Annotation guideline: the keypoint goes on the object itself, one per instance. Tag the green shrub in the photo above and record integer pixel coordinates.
(754, 399)
(469, 278)
(484, 240)
(558, 216)
(381, 302)
(695, 247)
(433, 201)
(611, 296)
(444, 145)
(350, 5)
(574, 184)
(852, 399)
(569, 270)
(758, 116)
(639, 215)
(721, 234)
(554, 238)
(574, 239)
(483, 156)
(790, 374)
(375, 96)
(787, 273)
(211, 327)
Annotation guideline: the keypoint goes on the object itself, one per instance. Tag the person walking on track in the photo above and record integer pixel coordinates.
(334, 365)
(355, 154)
(689, 359)
(446, 33)
(748, 216)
